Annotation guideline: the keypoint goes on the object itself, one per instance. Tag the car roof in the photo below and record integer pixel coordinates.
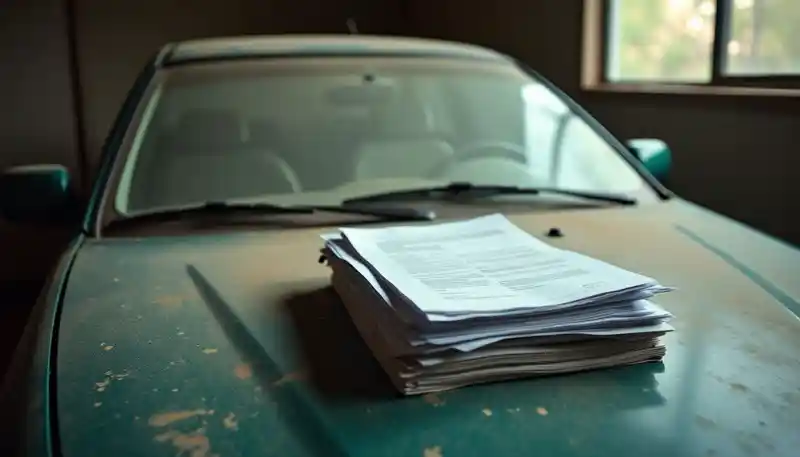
(317, 45)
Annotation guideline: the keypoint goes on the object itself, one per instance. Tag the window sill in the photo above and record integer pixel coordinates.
(689, 89)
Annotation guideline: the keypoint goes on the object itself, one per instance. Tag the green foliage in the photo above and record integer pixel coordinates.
(672, 40)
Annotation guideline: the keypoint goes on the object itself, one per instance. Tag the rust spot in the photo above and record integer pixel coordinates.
(210, 351)
(542, 411)
(169, 300)
(289, 377)
(433, 399)
(435, 451)
(230, 422)
(704, 422)
(194, 444)
(164, 419)
(243, 371)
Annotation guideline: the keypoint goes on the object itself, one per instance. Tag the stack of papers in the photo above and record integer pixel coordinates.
(452, 304)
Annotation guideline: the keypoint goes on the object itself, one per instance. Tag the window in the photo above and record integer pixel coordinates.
(714, 42)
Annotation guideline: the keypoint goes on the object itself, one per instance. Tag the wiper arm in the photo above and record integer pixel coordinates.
(457, 189)
(222, 208)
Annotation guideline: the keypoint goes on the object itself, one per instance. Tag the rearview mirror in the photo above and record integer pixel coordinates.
(37, 194)
(654, 154)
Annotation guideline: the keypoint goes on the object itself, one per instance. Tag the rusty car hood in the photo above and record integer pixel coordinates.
(234, 344)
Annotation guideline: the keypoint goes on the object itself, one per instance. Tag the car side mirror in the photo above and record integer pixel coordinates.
(38, 194)
(654, 154)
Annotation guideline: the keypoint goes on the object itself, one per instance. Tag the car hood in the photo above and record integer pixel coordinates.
(253, 354)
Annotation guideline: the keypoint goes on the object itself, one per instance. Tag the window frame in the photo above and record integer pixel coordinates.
(596, 53)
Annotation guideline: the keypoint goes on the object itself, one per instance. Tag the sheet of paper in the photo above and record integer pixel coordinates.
(358, 293)
(336, 244)
(659, 329)
(484, 265)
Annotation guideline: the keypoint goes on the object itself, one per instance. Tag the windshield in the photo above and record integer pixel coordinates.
(322, 130)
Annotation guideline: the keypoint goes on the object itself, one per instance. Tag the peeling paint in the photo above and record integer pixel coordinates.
(194, 444)
(435, 451)
(120, 376)
(164, 419)
(210, 351)
(487, 412)
(433, 399)
(101, 386)
(230, 422)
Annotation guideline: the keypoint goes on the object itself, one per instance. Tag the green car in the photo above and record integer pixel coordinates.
(190, 316)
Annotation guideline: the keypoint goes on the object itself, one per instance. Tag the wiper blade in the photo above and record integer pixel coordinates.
(211, 209)
(390, 213)
(457, 189)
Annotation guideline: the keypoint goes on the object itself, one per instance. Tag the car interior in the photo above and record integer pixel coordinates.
(276, 136)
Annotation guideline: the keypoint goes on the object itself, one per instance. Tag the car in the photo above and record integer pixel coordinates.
(190, 316)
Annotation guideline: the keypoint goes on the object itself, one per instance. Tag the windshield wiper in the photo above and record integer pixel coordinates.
(458, 189)
(211, 209)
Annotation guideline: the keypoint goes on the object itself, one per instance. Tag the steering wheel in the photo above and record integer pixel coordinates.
(483, 150)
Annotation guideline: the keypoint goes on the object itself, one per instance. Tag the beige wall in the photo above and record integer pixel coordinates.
(737, 155)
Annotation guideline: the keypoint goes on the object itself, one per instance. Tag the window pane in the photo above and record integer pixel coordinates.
(762, 37)
(660, 40)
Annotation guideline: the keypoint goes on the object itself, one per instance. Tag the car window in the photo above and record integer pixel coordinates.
(320, 130)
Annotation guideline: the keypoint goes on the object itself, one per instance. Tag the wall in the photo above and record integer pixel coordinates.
(737, 155)
(36, 122)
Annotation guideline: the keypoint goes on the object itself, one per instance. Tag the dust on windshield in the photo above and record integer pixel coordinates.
(322, 130)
